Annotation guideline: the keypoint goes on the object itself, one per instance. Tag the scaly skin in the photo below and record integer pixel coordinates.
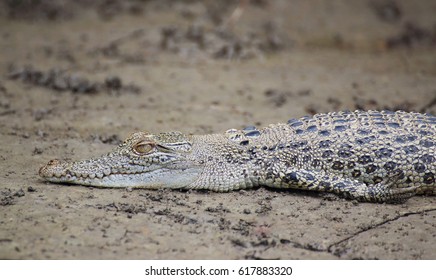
(369, 156)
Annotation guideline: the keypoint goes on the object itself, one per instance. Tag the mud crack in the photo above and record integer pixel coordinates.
(331, 248)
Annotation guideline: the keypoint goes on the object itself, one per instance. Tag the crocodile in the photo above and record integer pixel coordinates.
(368, 156)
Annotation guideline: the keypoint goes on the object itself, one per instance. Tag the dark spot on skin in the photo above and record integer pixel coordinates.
(363, 131)
(351, 164)
(291, 121)
(376, 114)
(419, 167)
(365, 140)
(380, 124)
(325, 144)
(411, 149)
(299, 144)
(337, 165)
(249, 128)
(299, 131)
(405, 138)
(421, 121)
(327, 154)
(345, 153)
(393, 125)
(296, 124)
(307, 158)
(253, 133)
(272, 148)
(427, 158)
(340, 185)
(302, 143)
(340, 128)
(428, 178)
(264, 148)
(309, 177)
(356, 173)
(377, 179)
(390, 166)
(371, 168)
(315, 163)
(365, 159)
(312, 128)
(346, 146)
(326, 186)
(339, 121)
(401, 139)
(324, 132)
(291, 177)
(399, 174)
(244, 143)
(425, 132)
(306, 149)
(383, 152)
(383, 132)
(426, 143)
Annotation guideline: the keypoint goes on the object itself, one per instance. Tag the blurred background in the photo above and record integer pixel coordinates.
(77, 77)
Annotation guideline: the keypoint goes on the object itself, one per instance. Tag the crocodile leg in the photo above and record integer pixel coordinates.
(318, 180)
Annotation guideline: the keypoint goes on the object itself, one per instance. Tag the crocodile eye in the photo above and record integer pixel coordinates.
(143, 148)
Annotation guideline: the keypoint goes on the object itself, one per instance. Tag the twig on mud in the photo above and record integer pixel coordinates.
(237, 13)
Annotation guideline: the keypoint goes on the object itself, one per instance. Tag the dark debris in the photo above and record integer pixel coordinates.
(60, 81)
(412, 35)
(279, 98)
(112, 139)
(7, 196)
(219, 43)
(218, 209)
(387, 11)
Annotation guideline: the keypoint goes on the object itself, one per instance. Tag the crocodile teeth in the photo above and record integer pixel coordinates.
(82, 175)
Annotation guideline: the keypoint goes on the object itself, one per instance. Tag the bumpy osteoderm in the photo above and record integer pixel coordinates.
(376, 156)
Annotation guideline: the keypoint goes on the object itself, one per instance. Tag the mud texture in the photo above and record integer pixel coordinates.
(77, 77)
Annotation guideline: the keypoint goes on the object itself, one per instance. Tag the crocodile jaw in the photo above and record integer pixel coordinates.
(67, 172)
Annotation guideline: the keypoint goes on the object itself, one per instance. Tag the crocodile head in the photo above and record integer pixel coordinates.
(143, 160)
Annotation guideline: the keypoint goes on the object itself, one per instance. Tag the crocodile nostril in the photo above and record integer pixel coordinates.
(53, 162)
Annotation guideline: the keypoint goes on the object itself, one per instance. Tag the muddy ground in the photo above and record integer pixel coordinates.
(77, 77)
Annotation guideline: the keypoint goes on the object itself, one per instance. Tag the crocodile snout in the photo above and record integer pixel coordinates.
(54, 168)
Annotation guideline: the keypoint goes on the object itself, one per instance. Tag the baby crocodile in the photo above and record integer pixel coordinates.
(373, 156)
